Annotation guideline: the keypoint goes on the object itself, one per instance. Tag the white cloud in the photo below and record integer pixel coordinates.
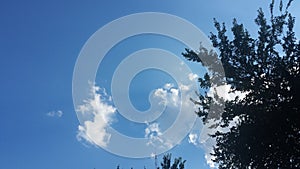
(100, 114)
(153, 155)
(168, 86)
(57, 113)
(94, 130)
(193, 138)
(224, 92)
(153, 133)
(168, 95)
(152, 129)
(193, 76)
(155, 137)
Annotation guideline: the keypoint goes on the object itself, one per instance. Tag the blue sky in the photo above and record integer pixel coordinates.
(39, 45)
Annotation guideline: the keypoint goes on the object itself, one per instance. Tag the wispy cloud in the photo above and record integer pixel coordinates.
(94, 131)
(57, 113)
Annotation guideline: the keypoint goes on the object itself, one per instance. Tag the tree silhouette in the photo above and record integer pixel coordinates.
(266, 69)
(166, 163)
(177, 164)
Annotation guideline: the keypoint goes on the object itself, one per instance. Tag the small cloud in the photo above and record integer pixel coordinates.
(168, 86)
(152, 155)
(193, 138)
(57, 113)
(193, 76)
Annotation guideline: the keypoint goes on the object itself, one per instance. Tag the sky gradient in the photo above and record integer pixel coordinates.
(39, 45)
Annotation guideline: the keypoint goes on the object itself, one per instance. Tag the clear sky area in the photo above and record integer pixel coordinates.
(40, 42)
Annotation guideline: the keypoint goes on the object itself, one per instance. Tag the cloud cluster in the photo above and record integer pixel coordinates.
(101, 112)
(97, 114)
(170, 96)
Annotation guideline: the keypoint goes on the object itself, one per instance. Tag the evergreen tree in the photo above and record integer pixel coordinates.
(266, 68)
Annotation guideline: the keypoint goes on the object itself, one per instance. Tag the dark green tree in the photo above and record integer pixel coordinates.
(267, 134)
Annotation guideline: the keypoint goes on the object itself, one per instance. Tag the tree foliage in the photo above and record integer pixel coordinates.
(266, 68)
(178, 163)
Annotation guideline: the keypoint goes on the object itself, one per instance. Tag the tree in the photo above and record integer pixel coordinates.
(166, 163)
(266, 69)
(177, 164)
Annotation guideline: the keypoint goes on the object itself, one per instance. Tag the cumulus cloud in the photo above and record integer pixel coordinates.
(57, 113)
(94, 131)
(168, 95)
